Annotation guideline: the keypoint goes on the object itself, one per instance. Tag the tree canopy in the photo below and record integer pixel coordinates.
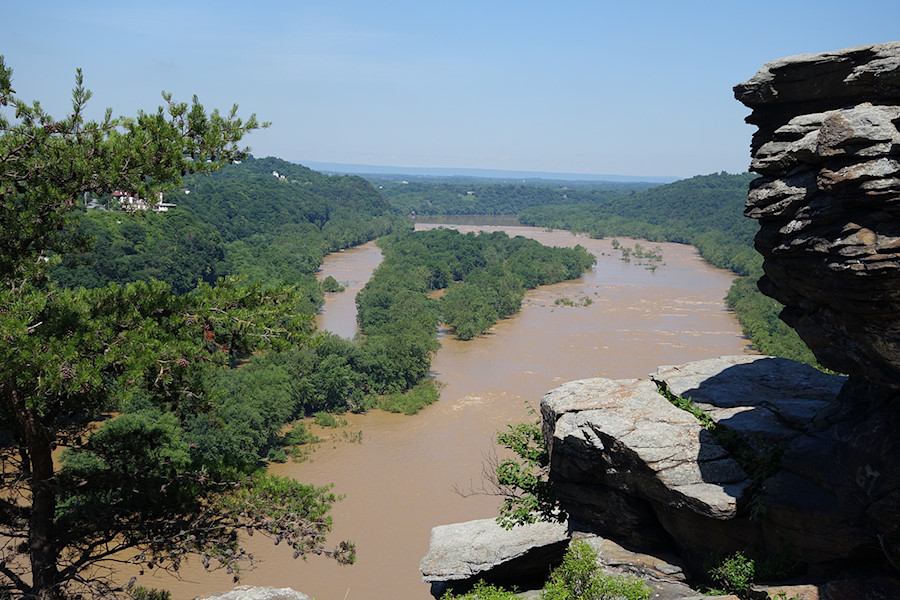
(114, 375)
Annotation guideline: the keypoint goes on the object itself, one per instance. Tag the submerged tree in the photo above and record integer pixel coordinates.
(141, 482)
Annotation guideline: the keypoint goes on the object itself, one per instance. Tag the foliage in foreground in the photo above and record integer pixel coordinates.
(163, 478)
(737, 574)
(484, 591)
(579, 577)
(522, 481)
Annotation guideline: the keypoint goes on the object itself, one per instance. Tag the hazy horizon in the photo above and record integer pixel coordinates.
(357, 169)
(582, 87)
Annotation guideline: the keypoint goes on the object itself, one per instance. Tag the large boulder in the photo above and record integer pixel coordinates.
(629, 465)
(624, 436)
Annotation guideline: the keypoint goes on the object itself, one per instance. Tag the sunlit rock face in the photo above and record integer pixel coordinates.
(828, 202)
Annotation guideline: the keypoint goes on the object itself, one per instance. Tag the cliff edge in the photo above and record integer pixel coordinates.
(758, 454)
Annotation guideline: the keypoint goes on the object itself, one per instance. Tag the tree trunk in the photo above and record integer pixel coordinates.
(42, 548)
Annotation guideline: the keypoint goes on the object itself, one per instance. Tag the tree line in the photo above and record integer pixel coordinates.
(443, 196)
(241, 221)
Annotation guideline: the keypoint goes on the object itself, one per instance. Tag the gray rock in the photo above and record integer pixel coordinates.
(462, 553)
(828, 204)
(869, 72)
(629, 465)
(259, 593)
(623, 435)
(616, 558)
(762, 398)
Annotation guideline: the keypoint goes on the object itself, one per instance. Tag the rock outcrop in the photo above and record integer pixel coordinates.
(619, 449)
(804, 467)
(628, 464)
(462, 553)
(660, 496)
(828, 202)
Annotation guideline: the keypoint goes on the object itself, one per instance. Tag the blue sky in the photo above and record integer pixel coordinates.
(627, 88)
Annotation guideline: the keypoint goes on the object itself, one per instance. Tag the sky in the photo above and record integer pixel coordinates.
(571, 86)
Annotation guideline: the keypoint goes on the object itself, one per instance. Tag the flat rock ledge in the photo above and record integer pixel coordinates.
(762, 398)
(246, 592)
(462, 553)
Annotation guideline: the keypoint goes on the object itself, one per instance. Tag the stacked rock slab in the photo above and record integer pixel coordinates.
(828, 202)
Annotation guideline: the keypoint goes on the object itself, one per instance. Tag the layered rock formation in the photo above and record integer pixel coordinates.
(628, 464)
(828, 202)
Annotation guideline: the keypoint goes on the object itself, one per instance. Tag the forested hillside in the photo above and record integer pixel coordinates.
(445, 196)
(267, 230)
(706, 212)
(242, 220)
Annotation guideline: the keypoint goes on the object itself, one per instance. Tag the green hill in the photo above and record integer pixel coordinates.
(242, 220)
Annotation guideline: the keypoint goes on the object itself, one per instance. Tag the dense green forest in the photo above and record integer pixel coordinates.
(484, 276)
(271, 222)
(241, 221)
(704, 211)
(448, 196)
(268, 230)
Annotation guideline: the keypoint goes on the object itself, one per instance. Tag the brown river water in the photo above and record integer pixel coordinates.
(400, 480)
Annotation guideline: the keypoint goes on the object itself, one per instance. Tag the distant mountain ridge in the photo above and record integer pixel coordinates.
(355, 169)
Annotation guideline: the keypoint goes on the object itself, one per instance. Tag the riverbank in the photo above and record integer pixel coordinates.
(400, 480)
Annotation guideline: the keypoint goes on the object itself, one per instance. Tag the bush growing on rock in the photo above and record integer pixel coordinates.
(579, 577)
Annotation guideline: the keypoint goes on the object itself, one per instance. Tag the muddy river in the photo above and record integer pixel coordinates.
(400, 477)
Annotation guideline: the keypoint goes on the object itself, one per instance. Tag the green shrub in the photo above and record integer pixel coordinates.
(483, 591)
(579, 577)
(141, 593)
(735, 574)
(330, 284)
(298, 436)
(277, 455)
(326, 419)
(412, 401)
(522, 481)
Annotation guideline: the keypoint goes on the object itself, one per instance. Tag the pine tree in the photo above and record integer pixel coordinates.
(134, 355)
